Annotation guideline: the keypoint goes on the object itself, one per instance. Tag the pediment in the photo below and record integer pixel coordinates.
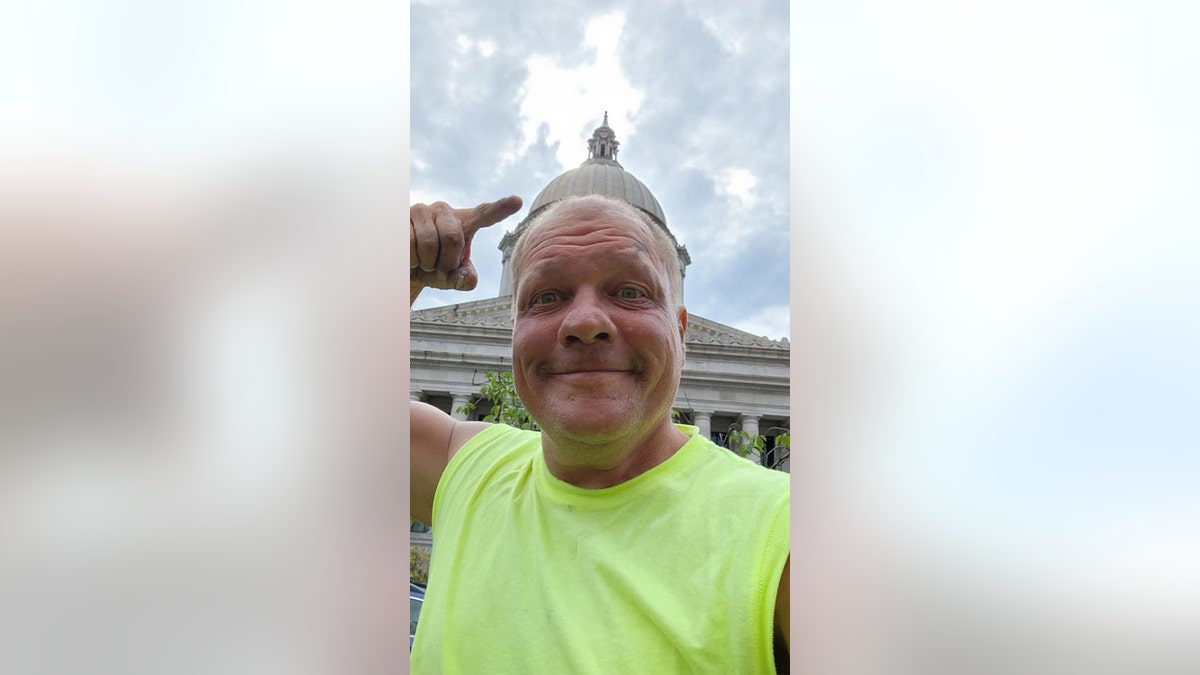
(493, 312)
(706, 331)
(498, 312)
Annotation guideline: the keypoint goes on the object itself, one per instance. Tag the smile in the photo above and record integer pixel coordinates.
(584, 369)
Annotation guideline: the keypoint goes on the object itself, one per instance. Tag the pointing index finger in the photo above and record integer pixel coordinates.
(487, 214)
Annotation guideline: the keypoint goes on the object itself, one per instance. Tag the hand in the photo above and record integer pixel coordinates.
(440, 242)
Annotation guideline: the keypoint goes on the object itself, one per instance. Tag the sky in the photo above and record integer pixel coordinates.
(504, 98)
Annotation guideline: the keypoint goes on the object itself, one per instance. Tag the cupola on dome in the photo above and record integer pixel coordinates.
(599, 174)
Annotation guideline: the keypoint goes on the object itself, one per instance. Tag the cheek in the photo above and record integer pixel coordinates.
(520, 368)
(519, 386)
(663, 344)
(532, 345)
(520, 333)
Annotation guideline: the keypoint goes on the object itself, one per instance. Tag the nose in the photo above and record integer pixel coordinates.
(585, 321)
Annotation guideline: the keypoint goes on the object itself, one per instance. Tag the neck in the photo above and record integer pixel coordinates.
(594, 465)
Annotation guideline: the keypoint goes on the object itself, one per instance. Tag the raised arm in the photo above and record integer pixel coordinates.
(440, 257)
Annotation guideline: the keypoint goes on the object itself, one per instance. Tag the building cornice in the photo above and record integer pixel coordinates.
(773, 385)
(461, 361)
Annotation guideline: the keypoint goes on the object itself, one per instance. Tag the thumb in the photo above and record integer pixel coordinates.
(465, 278)
(487, 214)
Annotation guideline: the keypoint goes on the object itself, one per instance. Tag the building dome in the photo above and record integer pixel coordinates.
(600, 177)
(599, 174)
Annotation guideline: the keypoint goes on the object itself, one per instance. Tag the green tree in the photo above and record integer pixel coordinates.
(782, 449)
(507, 408)
(744, 444)
(751, 446)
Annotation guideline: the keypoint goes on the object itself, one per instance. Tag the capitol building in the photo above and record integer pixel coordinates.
(731, 379)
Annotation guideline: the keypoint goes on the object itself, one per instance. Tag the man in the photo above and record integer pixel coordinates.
(613, 541)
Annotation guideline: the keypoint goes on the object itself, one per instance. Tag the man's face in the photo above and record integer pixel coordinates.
(598, 340)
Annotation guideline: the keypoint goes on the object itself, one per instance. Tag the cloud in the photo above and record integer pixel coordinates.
(738, 184)
(773, 321)
(570, 101)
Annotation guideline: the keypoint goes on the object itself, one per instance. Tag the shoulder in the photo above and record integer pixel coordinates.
(496, 444)
(749, 498)
(495, 454)
(728, 471)
(499, 438)
(723, 488)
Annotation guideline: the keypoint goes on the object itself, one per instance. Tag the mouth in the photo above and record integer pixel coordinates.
(585, 368)
(581, 371)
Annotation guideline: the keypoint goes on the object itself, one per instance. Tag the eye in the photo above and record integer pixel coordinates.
(546, 298)
(629, 293)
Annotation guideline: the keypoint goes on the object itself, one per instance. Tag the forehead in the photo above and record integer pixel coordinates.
(582, 237)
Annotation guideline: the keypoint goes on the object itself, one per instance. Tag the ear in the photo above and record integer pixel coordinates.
(683, 317)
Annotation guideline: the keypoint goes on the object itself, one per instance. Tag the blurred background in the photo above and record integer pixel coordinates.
(996, 233)
(201, 458)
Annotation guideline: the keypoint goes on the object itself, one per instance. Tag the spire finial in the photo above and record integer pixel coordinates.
(603, 143)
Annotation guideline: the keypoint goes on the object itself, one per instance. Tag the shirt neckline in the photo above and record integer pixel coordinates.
(597, 498)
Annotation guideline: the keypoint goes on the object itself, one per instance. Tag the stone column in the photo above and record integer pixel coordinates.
(750, 426)
(457, 401)
(416, 395)
(704, 421)
(750, 423)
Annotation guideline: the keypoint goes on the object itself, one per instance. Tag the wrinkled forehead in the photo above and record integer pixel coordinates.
(581, 235)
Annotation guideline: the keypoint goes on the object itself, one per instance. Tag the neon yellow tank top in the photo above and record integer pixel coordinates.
(674, 571)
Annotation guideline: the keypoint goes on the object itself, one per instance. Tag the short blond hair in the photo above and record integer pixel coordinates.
(662, 246)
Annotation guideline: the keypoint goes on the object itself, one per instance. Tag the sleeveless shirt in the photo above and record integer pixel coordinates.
(673, 571)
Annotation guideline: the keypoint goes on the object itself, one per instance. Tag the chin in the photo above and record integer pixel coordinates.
(592, 426)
